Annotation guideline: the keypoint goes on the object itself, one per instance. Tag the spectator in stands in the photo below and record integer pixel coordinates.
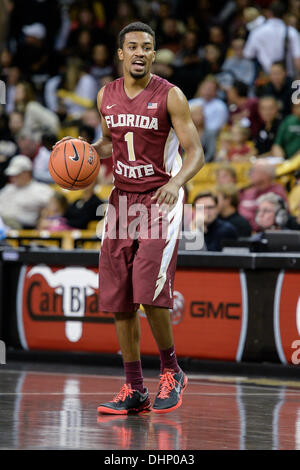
(267, 42)
(280, 87)
(28, 143)
(225, 174)
(242, 148)
(287, 141)
(53, 215)
(242, 108)
(32, 54)
(214, 109)
(207, 137)
(272, 214)
(100, 66)
(215, 229)
(81, 212)
(37, 118)
(91, 117)
(268, 110)
(75, 91)
(228, 201)
(262, 177)
(189, 53)
(22, 200)
(224, 144)
(237, 65)
(9, 126)
(41, 160)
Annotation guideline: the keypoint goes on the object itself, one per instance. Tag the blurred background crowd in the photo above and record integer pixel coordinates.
(238, 63)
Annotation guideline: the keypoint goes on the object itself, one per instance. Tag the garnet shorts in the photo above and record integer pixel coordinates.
(138, 252)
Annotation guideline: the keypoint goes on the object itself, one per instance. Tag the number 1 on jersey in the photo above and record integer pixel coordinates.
(129, 140)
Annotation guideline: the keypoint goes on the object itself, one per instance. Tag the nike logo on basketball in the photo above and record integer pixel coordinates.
(75, 157)
(110, 106)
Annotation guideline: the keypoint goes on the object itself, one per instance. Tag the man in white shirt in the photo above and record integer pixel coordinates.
(266, 43)
(22, 199)
(214, 109)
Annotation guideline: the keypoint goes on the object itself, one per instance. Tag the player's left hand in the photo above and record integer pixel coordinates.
(167, 194)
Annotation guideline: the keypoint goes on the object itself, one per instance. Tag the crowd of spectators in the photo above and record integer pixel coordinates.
(237, 61)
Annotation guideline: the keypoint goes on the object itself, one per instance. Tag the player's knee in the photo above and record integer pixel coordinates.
(119, 316)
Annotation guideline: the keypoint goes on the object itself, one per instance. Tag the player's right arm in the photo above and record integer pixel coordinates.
(103, 146)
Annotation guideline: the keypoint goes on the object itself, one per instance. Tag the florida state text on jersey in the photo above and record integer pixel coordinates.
(145, 146)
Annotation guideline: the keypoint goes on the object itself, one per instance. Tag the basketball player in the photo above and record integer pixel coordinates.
(144, 119)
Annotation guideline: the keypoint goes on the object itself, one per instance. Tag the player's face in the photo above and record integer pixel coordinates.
(137, 54)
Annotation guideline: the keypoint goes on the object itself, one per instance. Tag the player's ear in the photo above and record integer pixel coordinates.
(120, 54)
(154, 55)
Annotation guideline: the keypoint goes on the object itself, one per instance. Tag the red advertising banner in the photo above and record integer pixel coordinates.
(57, 309)
(287, 317)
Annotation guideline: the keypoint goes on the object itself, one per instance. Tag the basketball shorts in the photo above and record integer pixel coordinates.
(138, 254)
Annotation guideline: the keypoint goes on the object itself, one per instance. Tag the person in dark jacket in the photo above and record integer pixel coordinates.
(228, 201)
(215, 229)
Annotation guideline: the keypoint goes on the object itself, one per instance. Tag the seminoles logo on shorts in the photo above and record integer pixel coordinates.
(287, 316)
(176, 312)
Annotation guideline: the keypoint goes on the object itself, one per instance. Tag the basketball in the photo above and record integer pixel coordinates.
(74, 164)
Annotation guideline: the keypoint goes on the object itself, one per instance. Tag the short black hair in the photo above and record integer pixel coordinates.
(278, 9)
(136, 26)
(240, 87)
(205, 194)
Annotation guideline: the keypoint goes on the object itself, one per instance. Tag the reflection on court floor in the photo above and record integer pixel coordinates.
(52, 410)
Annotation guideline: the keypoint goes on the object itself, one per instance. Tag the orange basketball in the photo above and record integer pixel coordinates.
(74, 164)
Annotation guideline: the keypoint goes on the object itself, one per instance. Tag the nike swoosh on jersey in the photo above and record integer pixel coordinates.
(110, 106)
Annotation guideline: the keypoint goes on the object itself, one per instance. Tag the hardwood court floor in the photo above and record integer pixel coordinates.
(55, 409)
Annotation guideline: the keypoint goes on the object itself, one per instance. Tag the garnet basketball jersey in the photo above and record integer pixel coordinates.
(145, 146)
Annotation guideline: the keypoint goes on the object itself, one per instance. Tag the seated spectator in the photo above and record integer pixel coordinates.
(188, 54)
(53, 215)
(215, 229)
(214, 109)
(287, 141)
(280, 87)
(28, 143)
(262, 177)
(207, 137)
(225, 174)
(75, 91)
(272, 214)
(241, 148)
(41, 160)
(37, 118)
(224, 144)
(100, 66)
(212, 58)
(83, 210)
(237, 66)
(228, 201)
(91, 117)
(32, 54)
(22, 200)
(242, 108)
(268, 110)
(9, 128)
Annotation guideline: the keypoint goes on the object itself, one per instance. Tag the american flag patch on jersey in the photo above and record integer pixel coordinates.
(152, 106)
